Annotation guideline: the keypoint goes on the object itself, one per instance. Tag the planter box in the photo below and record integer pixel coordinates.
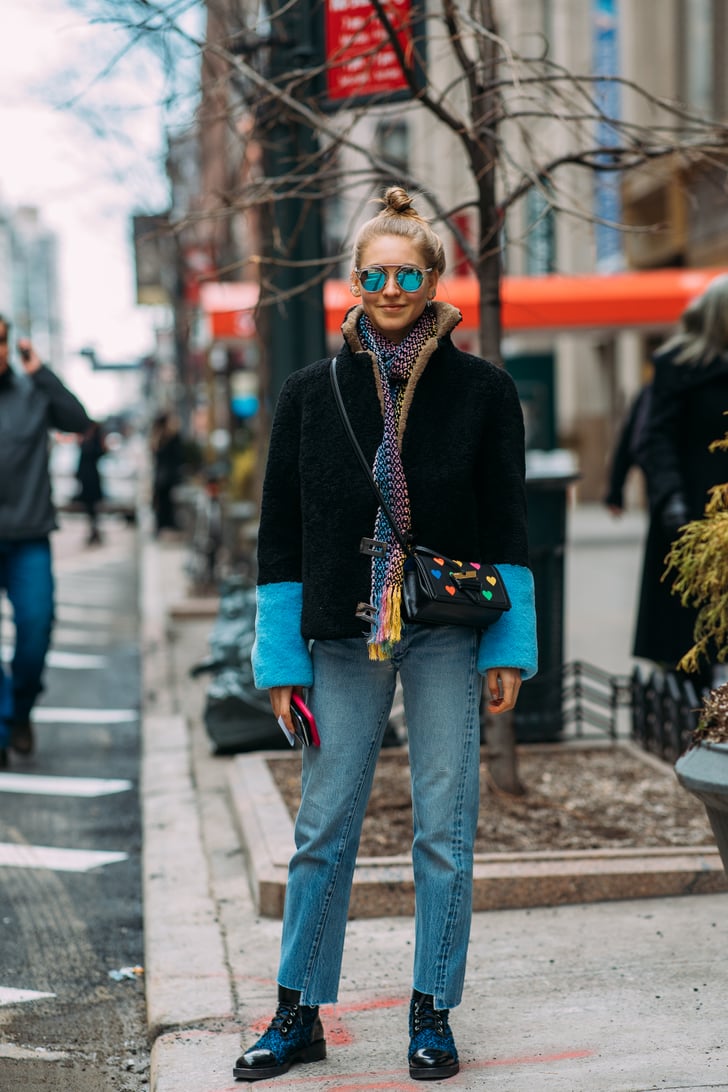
(703, 771)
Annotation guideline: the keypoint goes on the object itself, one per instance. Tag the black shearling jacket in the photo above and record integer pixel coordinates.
(462, 442)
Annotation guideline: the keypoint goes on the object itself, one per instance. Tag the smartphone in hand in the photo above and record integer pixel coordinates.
(304, 724)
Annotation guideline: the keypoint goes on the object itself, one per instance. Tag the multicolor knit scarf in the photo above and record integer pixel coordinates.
(395, 364)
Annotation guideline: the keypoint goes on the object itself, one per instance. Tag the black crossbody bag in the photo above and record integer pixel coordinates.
(436, 590)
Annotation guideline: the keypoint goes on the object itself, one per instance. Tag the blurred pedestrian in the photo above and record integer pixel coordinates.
(167, 450)
(630, 450)
(443, 431)
(32, 401)
(689, 403)
(90, 491)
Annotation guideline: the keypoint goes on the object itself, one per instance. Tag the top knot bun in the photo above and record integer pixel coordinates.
(397, 201)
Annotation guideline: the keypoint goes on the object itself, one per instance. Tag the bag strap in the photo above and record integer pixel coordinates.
(406, 546)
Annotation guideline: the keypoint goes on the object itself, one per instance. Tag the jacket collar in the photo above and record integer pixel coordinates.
(446, 315)
(447, 318)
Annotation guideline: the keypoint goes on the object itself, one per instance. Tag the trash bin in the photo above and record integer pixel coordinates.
(538, 716)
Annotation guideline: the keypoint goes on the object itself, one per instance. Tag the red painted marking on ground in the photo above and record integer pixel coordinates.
(335, 1028)
(377, 1003)
(396, 1080)
(392, 1085)
(338, 1035)
(533, 1059)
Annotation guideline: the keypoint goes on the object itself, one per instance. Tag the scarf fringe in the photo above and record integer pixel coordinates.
(388, 632)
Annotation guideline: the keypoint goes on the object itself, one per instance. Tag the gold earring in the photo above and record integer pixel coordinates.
(354, 289)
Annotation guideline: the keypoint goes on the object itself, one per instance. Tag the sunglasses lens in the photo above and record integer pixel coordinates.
(409, 279)
(372, 280)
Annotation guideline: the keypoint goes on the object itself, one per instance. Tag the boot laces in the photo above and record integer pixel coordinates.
(284, 1018)
(427, 1018)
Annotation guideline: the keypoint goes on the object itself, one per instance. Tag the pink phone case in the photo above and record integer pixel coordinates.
(306, 712)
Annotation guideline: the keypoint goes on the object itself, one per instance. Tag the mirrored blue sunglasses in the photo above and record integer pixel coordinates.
(408, 277)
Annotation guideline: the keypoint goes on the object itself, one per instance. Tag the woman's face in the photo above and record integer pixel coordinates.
(392, 310)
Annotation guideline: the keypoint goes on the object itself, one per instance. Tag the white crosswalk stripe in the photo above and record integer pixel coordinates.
(41, 785)
(43, 714)
(54, 859)
(66, 661)
(16, 997)
(86, 615)
(75, 661)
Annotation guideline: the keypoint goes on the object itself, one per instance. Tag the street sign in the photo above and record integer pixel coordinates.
(361, 63)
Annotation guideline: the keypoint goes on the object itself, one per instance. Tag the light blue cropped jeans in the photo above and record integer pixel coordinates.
(351, 699)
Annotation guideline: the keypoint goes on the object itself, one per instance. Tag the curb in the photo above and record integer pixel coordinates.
(186, 972)
(179, 913)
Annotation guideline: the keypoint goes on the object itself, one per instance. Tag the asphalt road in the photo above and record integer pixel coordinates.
(72, 1010)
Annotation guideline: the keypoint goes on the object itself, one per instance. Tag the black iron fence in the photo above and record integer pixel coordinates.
(581, 701)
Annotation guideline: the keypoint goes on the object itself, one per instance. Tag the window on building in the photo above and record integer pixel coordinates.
(547, 21)
(540, 233)
(391, 140)
(333, 226)
(704, 55)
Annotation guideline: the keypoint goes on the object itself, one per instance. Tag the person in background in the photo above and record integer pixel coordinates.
(629, 451)
(688, 408)
(444, 433)
(90, 492)
(32, 401)
(165, 443)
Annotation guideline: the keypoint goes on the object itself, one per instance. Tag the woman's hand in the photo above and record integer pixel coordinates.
(503, 685)
(280, 699)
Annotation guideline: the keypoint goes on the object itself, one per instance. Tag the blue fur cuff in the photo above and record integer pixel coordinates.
(511, 641)
(280, 656)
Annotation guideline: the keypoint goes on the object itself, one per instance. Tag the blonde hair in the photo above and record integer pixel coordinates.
(400, 217)
(704, 334)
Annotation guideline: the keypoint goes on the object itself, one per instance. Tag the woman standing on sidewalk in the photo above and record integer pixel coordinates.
(687, 413)
(443, 431)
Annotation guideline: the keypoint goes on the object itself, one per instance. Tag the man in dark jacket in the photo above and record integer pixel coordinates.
(31, 402)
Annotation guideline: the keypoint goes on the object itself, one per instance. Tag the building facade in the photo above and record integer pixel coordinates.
(29, 280)
(563, 207)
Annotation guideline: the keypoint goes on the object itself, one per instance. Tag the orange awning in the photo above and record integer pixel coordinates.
(552, 302)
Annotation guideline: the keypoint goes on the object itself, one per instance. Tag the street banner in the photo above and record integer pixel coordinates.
(361, 63)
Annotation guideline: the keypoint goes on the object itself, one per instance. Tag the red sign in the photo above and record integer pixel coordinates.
(360, 59)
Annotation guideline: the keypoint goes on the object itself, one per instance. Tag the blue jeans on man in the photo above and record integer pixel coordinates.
(26, 576)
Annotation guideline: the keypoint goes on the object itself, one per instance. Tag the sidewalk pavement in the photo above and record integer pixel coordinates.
(603, 997)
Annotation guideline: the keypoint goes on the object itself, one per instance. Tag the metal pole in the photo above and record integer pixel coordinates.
(295, 323)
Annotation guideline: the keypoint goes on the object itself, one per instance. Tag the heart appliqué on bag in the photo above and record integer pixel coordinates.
(449, 589)
(437, 573)
(491, 580)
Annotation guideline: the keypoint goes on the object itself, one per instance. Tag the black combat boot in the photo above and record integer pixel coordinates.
(432, 1054)
(295, 1034)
